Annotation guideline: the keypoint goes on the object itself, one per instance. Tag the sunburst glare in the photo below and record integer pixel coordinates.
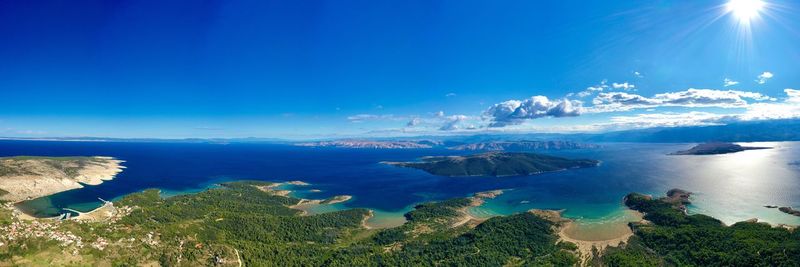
(745, 10)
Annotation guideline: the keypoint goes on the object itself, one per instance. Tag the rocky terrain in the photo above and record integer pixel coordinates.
(790, 210)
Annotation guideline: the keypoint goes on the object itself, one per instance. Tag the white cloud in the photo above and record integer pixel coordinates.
(452, 123)
(413, 122)
(450, 95)
(514, 112)
(792, 95)
(728, 82)
(638, 74)
(371, 117)
(788, 109)
(621, 101)
(438, 121)
(668, 119)
(624, 86)
(591, 90)
(764, 77)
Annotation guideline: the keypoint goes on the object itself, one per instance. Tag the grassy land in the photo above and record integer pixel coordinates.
(240, 222)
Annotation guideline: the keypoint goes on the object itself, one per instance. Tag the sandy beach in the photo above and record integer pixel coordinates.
(587, 235)
(476, 200)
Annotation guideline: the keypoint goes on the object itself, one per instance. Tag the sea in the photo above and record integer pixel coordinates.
(731, 187)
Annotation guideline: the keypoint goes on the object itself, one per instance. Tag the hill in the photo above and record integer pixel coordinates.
(495, 164)
(715, 148)
(27, 177)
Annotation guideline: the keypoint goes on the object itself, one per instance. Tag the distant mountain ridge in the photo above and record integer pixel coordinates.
(371, 144)
(753, 131)
(749, 131)
(522, 146)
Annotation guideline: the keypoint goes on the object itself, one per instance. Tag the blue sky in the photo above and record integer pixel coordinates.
(308, 69)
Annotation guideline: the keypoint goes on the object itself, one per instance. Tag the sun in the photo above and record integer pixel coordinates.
(745, 10)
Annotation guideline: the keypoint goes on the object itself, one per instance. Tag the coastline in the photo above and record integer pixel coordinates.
(23, 187)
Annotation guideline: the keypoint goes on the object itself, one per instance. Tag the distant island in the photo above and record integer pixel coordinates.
(495, 164)
(516, 146)
(522, 146)
(25, 177)
(716, 148)
(371, 144)
(790, 211)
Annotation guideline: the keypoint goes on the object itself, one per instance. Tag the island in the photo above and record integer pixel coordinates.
(715, 148)
(522, 146)
(370, 144)
(790, 211)
(495, 164)
(26, 177)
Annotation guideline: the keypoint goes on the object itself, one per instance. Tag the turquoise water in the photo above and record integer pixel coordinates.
(731, 187)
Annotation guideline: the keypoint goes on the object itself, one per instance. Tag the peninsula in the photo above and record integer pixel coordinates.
(715, 148)
(25, 177)
(495, 164)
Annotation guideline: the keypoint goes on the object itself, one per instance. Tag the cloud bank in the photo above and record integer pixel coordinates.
(621, 101)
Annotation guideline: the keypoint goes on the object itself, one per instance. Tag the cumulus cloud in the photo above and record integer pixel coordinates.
(728, 82)
(764, 77)
(436, 121)
(789, 108)
(792, 95)
(624, 86)
(514, 112)
(413, 122)
(621, 101)
(452, 122)
(591, 90)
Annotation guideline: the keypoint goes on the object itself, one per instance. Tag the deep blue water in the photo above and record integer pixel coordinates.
(731, 187)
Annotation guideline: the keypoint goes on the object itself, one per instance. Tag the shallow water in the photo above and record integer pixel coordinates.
(732, 187)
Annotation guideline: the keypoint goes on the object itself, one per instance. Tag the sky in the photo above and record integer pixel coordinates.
(343, 68)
